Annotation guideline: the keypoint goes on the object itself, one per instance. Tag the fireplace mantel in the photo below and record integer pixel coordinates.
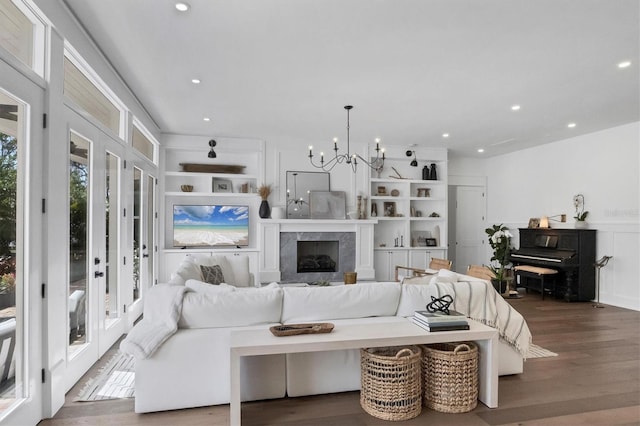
(269, 233)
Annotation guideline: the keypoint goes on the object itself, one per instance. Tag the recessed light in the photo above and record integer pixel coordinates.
(195, 80)
(571, 125)
(624, 64)
(515, 107)
(206, 119)
(481, 150)
(445, 135)
(182, 7)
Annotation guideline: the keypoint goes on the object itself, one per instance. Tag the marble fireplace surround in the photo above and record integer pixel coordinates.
(289, 255)
(359, 246)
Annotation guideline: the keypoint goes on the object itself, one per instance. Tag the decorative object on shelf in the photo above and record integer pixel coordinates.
(350, 277)
(277, 213)
(212, 168)
(327, 205)
(374, 209)
(186, 188)
(425, 172)
(412, 211)
(424, 192)
(244, 188)
(365, 208)
(212, 153)
(534, 222)
(431, 242)
(420, 238)
(414, 162)
(222, 185)
(433, 174)
(348, 158)
(359, 206)
(600, 263)
(434, 214)
(389, 209)
(500, 241)
(382, 190)
(264, 211)
(581, 213)
(398, 175)
(395, 193)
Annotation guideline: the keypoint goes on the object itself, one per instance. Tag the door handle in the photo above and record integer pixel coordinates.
(98, 274)
(145, 255)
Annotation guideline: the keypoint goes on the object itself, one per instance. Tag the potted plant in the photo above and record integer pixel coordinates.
(500, 241)
(581, 213)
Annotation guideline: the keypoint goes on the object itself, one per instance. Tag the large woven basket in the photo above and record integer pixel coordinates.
(450, 376)
(391, 382)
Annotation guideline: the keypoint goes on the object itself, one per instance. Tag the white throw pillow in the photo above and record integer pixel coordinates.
(189, 269)
(240, 267)
(445, 276)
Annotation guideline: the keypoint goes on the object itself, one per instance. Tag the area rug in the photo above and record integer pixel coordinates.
(536, 351)
(114, 380)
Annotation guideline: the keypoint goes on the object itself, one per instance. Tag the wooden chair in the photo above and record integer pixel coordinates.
(415, 272)
(438, 264)
(481, 272)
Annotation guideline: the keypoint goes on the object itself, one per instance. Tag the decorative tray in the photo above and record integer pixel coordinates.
(212, 168)
(293, 329)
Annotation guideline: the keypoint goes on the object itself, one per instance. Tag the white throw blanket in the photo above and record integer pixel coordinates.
(480, 302)
(162, 310)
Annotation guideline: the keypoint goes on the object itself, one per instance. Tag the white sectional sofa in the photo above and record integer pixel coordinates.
(191, 368)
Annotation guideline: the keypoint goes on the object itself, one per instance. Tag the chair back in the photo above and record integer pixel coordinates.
(440, 264)
(415, 272)
(481, 272)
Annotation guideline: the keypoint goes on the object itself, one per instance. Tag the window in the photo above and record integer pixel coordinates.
(90, 97)
(22, 34)
(143, 144)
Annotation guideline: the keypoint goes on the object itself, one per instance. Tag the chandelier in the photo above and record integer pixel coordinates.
(348, 158)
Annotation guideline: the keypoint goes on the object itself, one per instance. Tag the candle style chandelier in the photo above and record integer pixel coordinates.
(348, 158)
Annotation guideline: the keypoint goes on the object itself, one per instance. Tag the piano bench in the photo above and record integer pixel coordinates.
(537, 273)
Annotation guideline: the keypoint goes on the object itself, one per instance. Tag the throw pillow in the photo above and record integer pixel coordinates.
(212, 274)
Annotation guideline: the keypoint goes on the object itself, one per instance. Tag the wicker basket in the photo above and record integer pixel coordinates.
(450, 376)
(391, 382)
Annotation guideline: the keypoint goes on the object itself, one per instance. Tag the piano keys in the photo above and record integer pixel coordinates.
(572, 252)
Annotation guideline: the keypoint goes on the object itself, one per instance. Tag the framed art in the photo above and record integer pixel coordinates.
(419, 238)
(534, 222)
(389, 208)
(222, 185)
(431, 242)
(327, 205)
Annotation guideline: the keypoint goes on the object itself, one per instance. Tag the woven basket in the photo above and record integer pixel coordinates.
(391, 382)
(450, 376)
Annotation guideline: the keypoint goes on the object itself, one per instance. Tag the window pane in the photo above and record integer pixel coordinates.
(79, 176)
(16, 32)
(142, 144)
(84, 93)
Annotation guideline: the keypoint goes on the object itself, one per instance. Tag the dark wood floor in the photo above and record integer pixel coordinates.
(595, 380)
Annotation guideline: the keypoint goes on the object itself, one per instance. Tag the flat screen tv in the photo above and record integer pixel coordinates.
(210, 225)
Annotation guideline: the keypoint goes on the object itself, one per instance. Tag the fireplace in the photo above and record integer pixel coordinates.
(314, 256)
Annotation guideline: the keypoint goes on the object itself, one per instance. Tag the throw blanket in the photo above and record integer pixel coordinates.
(480, 302)
(162, 310)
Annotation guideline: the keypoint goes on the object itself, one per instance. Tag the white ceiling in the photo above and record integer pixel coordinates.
(282, 70)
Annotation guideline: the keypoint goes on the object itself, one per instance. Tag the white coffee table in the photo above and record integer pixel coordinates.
(262, 342)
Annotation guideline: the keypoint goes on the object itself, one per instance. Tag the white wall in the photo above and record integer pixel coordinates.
(603, 166)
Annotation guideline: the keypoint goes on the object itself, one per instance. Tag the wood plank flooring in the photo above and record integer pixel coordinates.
(595, 380)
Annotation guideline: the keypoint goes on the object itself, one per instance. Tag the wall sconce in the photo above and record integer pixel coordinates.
(544, 220)
(414, 162)
(212, 153)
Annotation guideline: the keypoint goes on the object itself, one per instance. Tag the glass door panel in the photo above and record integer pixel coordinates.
(112, 241)
(137, 230)
(150, 238)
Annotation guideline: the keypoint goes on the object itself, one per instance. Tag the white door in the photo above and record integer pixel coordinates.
(469, 226)
(21, 224)
(95, 305)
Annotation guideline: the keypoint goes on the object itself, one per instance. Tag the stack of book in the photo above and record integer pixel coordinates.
(440, 321)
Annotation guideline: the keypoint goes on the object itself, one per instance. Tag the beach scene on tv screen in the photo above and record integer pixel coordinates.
(205, 226)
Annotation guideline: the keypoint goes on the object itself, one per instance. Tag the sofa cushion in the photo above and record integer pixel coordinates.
(336, 302)
(240, 267)
(212, 274)
(415, 298)
(203, 287)
(231, 308)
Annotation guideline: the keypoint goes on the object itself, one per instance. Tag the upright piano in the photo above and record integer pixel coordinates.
(572, 252)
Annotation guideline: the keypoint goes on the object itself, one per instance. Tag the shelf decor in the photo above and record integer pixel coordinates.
(212, 168)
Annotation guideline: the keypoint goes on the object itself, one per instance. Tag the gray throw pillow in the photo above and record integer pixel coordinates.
(212, 274)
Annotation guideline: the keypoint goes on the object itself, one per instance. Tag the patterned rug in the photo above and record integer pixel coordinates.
(115, 380)
(536, 351)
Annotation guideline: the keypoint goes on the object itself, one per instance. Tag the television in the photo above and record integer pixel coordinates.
(210, 225)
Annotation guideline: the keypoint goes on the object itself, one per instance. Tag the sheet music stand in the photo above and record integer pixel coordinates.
(600, 263)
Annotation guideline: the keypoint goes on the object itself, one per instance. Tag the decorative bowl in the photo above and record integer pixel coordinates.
(186, 188)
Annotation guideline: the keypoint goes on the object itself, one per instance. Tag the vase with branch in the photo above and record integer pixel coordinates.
(264, 211)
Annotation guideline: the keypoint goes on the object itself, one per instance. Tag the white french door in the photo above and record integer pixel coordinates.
(95, 246)
(21, 224)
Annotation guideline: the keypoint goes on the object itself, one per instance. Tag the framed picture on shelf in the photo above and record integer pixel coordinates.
(534, 222)
(431, 242)
(419, 238)
(389, 208)
(222, 185)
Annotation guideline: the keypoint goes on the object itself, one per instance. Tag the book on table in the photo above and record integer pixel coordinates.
(447, 326)
(437, 317)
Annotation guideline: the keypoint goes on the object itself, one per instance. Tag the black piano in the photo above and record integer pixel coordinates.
(572, 252)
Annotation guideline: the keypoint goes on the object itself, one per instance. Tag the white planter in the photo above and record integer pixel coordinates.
(581, 224)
